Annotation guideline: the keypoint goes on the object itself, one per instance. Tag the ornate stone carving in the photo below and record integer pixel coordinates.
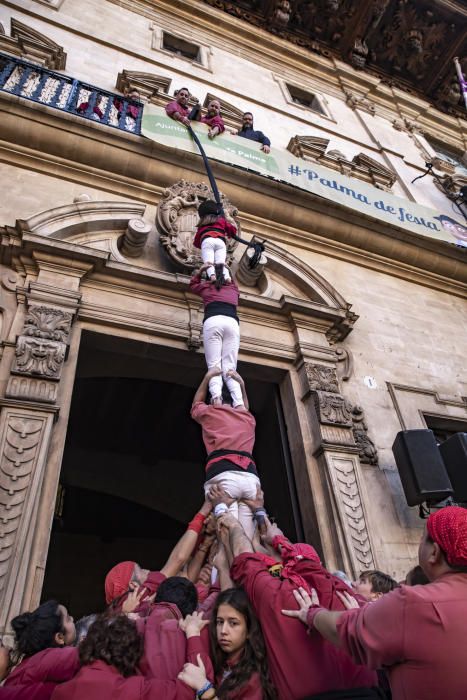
(359, 102)
(41, 349)
(333, 408)
(321, 378)
(177, 217)
(407, 125)
(18, 455)
(29, 43)
(47, 323)
(359, 53)
(367, 450)
(30, 389)
(352, 512)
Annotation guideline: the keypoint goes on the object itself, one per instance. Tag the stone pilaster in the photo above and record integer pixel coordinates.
(337, 454)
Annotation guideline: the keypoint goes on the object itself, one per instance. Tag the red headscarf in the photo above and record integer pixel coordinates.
(448, 528)
(118, 580)
(291, 554)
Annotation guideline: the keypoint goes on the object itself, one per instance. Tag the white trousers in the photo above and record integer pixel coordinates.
(221, 338)
(238, 485)
(213, 251)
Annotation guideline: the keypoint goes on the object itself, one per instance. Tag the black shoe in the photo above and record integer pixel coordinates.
(219, 275)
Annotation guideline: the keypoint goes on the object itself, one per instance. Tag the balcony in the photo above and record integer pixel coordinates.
(43, 86)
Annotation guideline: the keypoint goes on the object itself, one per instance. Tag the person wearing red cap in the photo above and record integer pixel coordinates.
(416, 633)
(127, 575)
(301, 665)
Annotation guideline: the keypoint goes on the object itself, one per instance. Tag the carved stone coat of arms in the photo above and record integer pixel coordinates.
(177, 218)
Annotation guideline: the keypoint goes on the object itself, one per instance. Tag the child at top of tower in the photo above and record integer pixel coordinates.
(213, 119)
(210, 237)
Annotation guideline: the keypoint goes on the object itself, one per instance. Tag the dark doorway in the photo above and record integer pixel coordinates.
(132, 473)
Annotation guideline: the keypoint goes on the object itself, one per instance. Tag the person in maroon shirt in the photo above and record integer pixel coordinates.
(124, 577)
(302, 666)
(213, 119)
(109, 658)
(229, 437)
(43, 640)
(238, 651)
(178, 109)
(221, 333)
(416, 633)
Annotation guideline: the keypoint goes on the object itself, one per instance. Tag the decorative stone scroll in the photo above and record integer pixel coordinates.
(321, 378)
(177, 218)
(367, 450)
(333, 409)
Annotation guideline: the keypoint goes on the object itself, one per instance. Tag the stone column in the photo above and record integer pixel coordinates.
(343, 523)
(36, 357)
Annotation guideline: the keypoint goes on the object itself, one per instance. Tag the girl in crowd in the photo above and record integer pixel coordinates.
(109, 658)
(221, 333)
(237, 650)
(43, 651)
(211, 234)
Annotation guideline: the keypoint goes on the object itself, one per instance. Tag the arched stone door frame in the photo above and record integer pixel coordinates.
(53, 288)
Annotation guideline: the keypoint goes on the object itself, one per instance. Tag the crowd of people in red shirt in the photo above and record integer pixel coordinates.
(240, 616)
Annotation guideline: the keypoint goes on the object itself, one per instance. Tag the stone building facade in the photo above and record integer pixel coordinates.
(352, 330)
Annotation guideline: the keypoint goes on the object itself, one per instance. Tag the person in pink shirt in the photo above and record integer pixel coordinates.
(213, 119)
(229, 437)
(415, 633)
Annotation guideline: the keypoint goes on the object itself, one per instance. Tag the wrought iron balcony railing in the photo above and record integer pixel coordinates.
(38, 84)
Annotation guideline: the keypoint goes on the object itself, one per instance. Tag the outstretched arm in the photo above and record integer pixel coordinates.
(238, 540)
(202, 390)
(184, 547)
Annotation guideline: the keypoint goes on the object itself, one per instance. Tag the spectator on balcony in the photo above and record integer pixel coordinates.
(248, 132)
(213, 119)
(97, 112)
(132, 110)
(178, 109)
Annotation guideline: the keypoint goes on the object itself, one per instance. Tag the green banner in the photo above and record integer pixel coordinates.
(284, 167)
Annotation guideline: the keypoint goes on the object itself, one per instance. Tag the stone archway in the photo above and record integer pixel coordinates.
(67, 272)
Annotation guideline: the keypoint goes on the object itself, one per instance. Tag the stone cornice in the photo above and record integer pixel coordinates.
(134, 167)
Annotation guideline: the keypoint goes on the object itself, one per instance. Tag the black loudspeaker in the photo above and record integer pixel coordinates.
(421, 468)
(454, 454)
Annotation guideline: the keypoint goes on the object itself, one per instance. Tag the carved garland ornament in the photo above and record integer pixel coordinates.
(177, 218)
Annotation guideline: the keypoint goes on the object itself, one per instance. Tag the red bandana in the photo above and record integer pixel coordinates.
(118, 580)
(448, 528)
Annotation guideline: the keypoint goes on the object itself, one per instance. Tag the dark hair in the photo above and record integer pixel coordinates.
(380, 582)
(253, 659)
(250, 113)
(179, 591)
(114, 640)
(82, 627)
(35, 631)
(449, 219)
(180, 89)
(416, 577)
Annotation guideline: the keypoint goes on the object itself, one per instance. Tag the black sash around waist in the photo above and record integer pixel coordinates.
(225, 465)
(207, 233)
(220, 308)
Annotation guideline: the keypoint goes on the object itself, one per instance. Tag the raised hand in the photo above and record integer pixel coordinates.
(256, 502)
(348, 600)
(194, 675)
(305, 602)
(218, 495)
(134, 598)
(193, 624)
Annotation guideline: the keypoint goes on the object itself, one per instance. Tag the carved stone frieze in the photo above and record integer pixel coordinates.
(321, 378)
(333, 408)
(31, 389)
(47, 323)
(147, 84)
(177, 218)
(367, 450)
(359, 102)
